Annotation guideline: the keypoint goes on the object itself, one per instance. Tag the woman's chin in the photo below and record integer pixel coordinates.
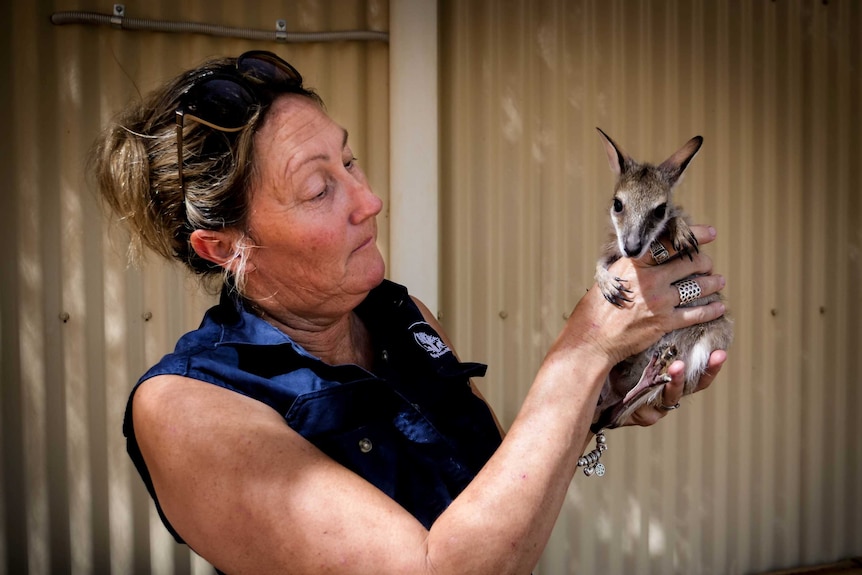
(370, 272)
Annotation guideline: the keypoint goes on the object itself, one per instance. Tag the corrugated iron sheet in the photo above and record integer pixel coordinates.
(79, 323)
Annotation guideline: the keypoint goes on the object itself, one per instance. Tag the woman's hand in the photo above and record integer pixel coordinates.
(618, 332)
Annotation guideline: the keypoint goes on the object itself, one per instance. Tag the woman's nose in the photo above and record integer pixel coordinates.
(366, 203)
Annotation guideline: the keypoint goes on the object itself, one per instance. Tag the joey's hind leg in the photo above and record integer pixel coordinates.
(655, 372)
(682, 237)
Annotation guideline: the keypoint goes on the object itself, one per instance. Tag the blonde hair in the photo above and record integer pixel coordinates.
(134, 162)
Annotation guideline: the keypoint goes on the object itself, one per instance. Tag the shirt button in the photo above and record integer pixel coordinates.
(365, 445)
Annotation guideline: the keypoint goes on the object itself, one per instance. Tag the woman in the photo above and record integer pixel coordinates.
(318, 420)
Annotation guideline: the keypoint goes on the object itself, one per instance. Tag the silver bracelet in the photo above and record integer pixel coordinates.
(590, 461)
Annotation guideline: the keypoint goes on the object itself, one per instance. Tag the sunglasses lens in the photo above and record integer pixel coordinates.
(222, 103)
(268, 68)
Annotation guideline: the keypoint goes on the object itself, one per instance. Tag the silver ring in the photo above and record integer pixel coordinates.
(669, 407)
(659, 252)
(689, 290)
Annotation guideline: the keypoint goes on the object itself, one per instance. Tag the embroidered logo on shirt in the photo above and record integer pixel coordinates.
(429, 340)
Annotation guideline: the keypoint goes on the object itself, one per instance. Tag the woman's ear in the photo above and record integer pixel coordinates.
(216, 246)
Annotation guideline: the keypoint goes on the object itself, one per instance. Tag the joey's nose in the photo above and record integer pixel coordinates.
(633, 249)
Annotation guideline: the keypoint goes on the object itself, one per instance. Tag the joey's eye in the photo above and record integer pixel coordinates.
(618, 205)
(660, 211)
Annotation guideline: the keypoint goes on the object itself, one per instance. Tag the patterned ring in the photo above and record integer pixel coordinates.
(689, 290)
(669, 407)
(659, 252)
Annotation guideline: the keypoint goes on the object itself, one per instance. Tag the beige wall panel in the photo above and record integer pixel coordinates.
(79, 324)
(763, 470)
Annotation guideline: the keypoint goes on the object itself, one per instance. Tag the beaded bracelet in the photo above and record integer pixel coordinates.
(590, 461)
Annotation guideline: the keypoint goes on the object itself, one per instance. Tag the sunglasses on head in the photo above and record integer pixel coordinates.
(228, 100)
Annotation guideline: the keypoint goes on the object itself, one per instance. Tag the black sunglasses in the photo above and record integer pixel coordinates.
(228, 100)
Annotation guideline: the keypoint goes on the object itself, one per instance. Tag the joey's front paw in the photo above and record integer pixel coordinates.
(613, 288)
(682, 237)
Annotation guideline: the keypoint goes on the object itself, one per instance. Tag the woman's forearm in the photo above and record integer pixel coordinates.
(502, 521)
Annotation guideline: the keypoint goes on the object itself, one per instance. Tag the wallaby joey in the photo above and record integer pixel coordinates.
(642, 211)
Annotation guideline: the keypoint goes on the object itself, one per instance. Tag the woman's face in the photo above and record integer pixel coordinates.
(313, 215)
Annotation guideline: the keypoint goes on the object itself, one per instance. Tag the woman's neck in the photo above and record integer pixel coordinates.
(336, 341)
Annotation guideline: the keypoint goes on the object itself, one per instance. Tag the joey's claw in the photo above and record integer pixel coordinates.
(687, 248)
(612, 299)
(613, 288)
(693, 241)
(620, 291)
(683, 251)
(620, 287)
(617, 298)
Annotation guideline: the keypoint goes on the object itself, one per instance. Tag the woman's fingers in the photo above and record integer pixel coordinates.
(673, 390)
(693, 288)
(687, 316)
(713, 366)
(663, 251)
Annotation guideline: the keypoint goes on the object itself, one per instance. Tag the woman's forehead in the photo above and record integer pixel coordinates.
(297, 129)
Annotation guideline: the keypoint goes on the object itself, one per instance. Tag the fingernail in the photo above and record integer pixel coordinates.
(712, 232)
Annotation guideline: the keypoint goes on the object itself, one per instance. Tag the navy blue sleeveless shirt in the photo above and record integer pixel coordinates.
(411, 426)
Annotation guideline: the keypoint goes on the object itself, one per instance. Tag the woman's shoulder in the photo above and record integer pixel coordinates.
(179, 399)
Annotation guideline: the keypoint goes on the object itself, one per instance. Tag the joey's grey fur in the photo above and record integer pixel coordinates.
(643, 210)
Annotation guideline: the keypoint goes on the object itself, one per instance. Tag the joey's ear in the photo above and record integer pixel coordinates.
(674, 166)
(216, 246)
(618, 160)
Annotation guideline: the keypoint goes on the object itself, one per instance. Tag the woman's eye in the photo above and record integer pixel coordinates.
(351, 163)
(322, 194)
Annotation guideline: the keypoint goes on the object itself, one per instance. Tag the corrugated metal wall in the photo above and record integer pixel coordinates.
(764, 470)
(78, 324)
